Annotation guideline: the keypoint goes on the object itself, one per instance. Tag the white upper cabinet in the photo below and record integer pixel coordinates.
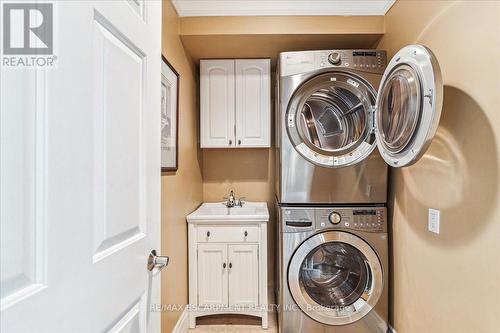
(253, 103)
(245, 113)
(217, 103)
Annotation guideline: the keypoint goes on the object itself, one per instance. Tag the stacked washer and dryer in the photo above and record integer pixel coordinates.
(334, 108)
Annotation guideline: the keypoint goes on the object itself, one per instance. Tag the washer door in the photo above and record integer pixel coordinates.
(329, 119)
(335, 278)
(409, 104)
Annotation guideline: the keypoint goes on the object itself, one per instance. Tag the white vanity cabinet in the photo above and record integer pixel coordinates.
(228, 261)
(235, 103)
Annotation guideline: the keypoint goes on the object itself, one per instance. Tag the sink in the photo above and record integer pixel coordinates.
(217, 211)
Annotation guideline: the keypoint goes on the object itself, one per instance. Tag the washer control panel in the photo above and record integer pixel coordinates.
(297, 219)
(303, 219)
(335, 218)
(370, 219)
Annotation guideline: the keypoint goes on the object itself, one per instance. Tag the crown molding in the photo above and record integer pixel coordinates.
(187, 8)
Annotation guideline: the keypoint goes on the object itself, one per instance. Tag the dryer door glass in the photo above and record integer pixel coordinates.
(408, 105)
(329, 119)
(335, 278)
(335, 274)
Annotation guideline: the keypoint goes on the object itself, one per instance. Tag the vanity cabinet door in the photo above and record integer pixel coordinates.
(212, 274)
(243, 274)
(253, 103)
(217, 103)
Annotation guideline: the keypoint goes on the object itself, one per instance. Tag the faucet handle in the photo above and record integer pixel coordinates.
(241, 202)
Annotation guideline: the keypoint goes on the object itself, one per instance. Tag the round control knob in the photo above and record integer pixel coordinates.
(334, 58)
(335, 218)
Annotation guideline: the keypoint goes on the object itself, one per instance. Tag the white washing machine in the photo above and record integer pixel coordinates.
(333, 269)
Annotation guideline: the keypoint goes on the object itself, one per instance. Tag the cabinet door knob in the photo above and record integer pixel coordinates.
(230, 265)
(239, 142)
(230, 142)
(208, 233)
(224, 265)
(246, 233)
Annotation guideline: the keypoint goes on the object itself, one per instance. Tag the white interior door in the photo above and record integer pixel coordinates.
(253, 102)
(80, 174)
(212, 274)
(243, 274)
(217, 103)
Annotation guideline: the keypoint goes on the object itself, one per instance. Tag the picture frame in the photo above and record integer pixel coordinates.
(169, 117)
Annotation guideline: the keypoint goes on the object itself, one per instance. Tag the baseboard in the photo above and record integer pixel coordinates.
(182, 324)
(391, 330)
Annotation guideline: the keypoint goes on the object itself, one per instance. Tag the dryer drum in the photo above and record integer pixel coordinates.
(334, 118)
(330, 119)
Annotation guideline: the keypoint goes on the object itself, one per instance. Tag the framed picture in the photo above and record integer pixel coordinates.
(169, 116)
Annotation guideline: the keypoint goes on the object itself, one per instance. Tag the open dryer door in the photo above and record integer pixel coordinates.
(408, 107)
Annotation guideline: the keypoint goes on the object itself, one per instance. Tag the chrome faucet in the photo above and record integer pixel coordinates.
(232, 201)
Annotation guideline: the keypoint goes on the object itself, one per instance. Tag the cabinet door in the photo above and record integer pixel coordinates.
(217, 103)
(253, 103)
(212, 274)
(243, 274)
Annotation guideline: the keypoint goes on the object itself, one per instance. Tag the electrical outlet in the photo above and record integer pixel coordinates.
(434, 220)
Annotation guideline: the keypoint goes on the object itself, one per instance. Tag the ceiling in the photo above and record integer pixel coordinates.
(280, 7)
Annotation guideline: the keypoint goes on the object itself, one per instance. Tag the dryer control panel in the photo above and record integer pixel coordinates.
(370, 61)
(370, 219)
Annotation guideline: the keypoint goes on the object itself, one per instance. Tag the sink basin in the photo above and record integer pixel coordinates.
(217, 211)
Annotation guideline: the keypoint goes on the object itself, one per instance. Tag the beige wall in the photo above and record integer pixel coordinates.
(451, 282)
(266, 36)
(181, 191)
(281, 25)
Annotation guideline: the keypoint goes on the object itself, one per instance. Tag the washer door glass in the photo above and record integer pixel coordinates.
(329, 119)
(335, 274)
(408, 106)
(335, 278)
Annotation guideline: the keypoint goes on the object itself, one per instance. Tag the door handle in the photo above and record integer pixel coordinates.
(158, 262)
